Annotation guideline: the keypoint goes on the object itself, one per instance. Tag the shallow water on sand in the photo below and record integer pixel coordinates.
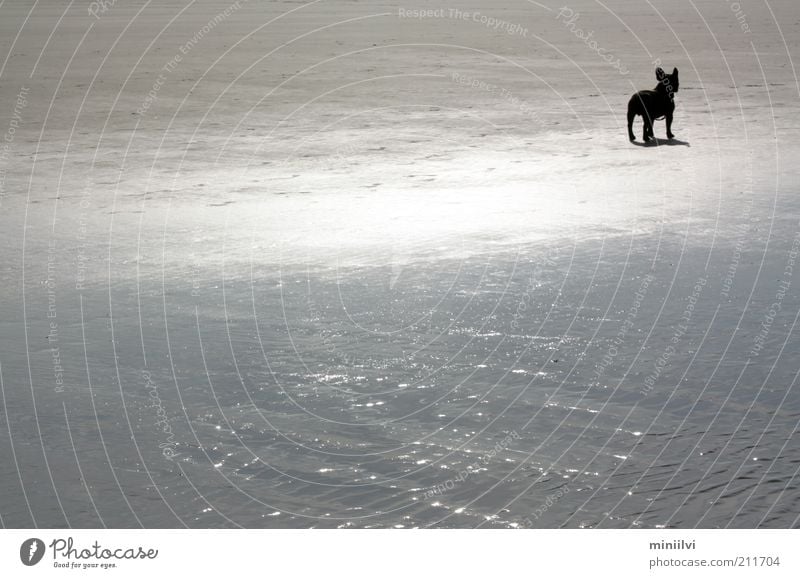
(353, 269)
(569, 384)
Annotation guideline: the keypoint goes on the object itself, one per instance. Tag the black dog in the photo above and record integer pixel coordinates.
(653, 104)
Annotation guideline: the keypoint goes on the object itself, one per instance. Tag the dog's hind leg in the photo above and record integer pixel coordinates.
(647, 129)
(631, 116)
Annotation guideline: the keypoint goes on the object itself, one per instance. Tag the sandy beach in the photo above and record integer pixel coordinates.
(347, 264)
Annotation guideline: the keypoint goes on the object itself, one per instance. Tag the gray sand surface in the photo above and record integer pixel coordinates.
(333, 264)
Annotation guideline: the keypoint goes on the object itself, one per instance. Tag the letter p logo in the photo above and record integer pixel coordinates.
(31, 551)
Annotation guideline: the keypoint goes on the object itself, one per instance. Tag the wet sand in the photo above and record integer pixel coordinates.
(334, 265)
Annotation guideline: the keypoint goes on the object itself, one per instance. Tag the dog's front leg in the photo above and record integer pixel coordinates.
(669, 125)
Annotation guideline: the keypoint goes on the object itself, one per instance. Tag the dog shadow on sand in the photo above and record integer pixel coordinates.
(656, 142)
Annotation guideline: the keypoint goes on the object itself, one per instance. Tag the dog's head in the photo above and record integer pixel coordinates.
(667, 83)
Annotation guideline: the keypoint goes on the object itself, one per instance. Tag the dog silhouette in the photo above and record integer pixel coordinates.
(653, 104)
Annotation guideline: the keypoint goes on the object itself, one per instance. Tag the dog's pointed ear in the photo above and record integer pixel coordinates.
(675, 72)
(659, 73)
